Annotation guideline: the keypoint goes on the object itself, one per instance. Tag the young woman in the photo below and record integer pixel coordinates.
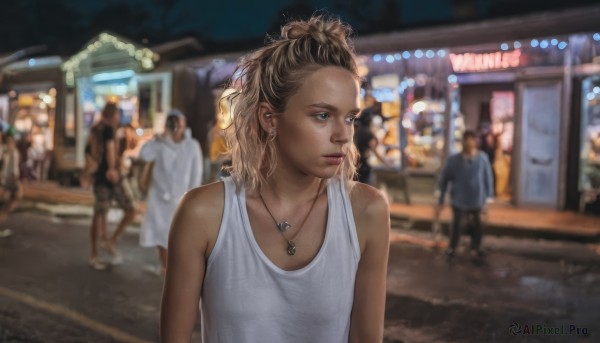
(289, 248)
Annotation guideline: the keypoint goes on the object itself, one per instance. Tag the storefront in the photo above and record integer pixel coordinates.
(111, 69)
(516, 95)
(586, 75)
(29, 101)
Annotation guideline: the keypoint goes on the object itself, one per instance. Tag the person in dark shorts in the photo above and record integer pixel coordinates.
(107, 187)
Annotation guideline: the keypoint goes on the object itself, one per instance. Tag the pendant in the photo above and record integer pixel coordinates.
(291, 248)
(283, 226)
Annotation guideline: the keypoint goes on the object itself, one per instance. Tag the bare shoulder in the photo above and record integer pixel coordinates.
(198, 216)
(371, 213)
(368, 201)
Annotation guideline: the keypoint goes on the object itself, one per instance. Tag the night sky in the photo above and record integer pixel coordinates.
(65, 25)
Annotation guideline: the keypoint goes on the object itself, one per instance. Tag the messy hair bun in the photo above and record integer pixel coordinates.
(272, 75)
(321, 31)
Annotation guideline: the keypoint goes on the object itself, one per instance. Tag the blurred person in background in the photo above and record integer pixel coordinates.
(128, 150)
(218, 146)
(177, 167)
(26, 166)
(9, 179)
(102, 146)
(470, 175)
(366, 143)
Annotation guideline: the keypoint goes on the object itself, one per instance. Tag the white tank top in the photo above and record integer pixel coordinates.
(247, 298)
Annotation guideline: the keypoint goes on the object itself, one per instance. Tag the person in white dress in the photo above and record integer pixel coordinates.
(177, 168)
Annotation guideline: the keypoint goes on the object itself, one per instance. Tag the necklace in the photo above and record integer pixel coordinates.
(285, 225)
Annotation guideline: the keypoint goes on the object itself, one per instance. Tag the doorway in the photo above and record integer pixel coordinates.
(489, 110)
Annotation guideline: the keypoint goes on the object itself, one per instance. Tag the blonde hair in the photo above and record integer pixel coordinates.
(272, 75)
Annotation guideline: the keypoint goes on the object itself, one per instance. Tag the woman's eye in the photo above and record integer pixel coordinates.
(322, 116)
(351, 119)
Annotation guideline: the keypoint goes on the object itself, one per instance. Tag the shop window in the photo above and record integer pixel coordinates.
(589, 178)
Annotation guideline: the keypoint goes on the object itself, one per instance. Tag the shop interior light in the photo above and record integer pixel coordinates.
(406, 55)
(504, 46)
(113, 75)
(419, 106)
(597, 90)
(591, 96)
(410, 82)
(517, 45)
(534, 43)
(562, 45)
(596, 36)
(430, 54)
(554, 42)
(139, 131)
(544, 44)
(397, 56)
(452, 78)
(418, 53)
(32, 62)
(377, 57)
(389, 59)
(441, 53)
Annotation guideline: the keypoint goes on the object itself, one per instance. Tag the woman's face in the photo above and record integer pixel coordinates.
(315, 131)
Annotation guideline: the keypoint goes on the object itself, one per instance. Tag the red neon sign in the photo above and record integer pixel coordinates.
(483, 62)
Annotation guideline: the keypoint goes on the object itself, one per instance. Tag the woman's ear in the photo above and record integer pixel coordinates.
(266, 117)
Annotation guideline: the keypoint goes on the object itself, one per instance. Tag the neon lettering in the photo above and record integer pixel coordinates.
(470, 62)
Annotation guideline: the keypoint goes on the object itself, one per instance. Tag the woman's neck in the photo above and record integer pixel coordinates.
(288, 186)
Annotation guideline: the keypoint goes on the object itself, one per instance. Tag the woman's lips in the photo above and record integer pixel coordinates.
(334, 159)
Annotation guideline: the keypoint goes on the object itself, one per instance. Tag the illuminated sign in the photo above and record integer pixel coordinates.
(469, 62)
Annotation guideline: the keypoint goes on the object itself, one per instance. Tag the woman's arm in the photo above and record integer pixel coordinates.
(193, 233)
(372, 219)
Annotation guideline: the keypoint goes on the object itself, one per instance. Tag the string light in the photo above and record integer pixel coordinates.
(144, 56)
(504, 46)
